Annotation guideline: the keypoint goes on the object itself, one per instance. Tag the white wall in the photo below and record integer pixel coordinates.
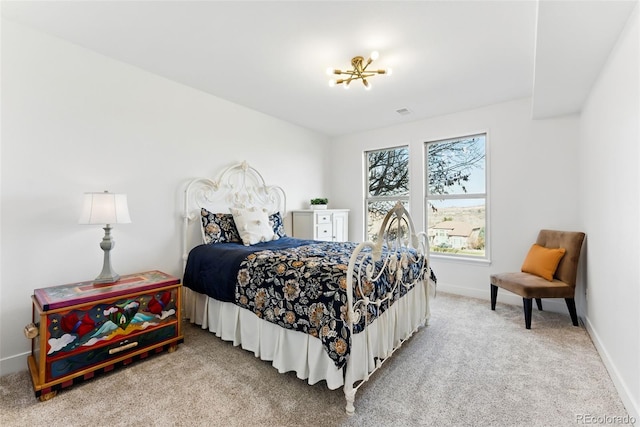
(74, 121)
(610, 212)
(533, 184)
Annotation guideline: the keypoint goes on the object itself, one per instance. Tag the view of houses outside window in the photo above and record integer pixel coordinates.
(456, 200)
(387, 183)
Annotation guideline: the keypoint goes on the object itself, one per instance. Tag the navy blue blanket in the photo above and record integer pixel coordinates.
(213, 269)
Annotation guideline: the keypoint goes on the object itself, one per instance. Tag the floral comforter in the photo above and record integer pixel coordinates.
(304, 288)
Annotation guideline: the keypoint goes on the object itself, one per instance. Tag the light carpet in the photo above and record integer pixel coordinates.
(470, 367)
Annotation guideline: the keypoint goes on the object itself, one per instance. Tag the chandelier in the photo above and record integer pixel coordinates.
(359, 72)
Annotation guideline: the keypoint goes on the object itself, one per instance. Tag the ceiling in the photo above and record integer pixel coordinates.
(272, 56)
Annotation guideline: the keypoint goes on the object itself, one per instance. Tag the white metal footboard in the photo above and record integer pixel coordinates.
(402, 246)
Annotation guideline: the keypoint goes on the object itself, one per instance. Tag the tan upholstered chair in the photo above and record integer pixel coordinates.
(530, 286)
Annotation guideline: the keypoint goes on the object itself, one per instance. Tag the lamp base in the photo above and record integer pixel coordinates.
(107, 275)
(107, 279)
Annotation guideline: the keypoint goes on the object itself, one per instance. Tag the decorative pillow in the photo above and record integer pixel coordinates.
(543, 261)
(277, 224)
(253, 225)
(218, 228)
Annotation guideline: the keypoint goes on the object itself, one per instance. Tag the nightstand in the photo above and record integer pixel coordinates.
(83, 329)
(329, 225)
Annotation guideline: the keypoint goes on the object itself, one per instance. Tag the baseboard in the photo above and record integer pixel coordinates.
(628, 401)
(12, 364)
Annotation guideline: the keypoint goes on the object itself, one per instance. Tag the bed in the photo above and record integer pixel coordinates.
(328, 311)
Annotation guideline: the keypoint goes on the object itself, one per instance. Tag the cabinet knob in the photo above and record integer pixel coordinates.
(31, 331)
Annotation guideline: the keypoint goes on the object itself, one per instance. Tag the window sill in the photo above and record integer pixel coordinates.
(459, 259)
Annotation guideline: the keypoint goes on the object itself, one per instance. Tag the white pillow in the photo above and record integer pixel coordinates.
(253, 225)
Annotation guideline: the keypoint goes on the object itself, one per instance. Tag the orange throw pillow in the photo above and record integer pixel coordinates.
(542, 261)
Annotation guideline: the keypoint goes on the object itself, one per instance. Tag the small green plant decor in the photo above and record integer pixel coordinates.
(319, 203)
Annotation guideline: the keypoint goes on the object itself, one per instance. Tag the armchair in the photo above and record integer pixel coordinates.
(530, 286)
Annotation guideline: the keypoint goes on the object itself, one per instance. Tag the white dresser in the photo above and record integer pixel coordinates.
(329, 225)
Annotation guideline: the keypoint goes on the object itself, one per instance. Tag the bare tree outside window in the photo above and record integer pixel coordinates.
(451, 164)
(456, 201)
(387, 183)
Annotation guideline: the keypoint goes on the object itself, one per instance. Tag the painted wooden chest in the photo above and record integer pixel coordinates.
(83, 329)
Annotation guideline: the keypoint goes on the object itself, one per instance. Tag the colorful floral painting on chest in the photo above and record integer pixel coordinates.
(79, 329)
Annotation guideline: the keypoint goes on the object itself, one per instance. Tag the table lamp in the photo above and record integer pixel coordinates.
(105, 208)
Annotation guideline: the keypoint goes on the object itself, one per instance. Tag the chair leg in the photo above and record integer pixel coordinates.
(494, 296)
(571, 305)
(539, 303)
(528, 307)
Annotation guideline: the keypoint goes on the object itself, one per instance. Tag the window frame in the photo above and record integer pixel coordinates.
(368, 198)
(464, 196)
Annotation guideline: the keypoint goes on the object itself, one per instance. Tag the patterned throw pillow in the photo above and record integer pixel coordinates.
(218, 228)
(277, 224)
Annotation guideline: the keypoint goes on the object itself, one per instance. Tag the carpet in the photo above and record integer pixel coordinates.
(470, 367)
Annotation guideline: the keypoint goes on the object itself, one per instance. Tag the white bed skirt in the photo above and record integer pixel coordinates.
(290, 350)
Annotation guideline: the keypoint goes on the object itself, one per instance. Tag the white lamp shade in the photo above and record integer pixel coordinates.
(105, 208)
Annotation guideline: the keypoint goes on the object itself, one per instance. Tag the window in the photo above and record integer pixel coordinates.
(387, 183)
(456, 196)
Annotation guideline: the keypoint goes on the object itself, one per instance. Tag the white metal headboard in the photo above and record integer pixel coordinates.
(239, 186)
